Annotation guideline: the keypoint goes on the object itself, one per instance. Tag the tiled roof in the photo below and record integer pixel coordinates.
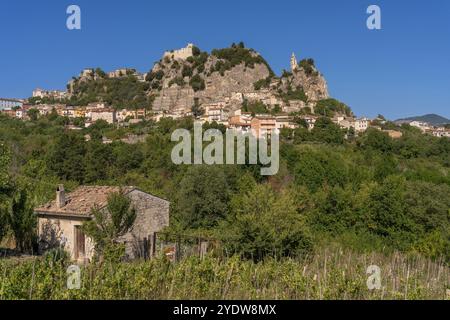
(82, 200)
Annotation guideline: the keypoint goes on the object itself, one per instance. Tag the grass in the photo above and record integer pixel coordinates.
(332, 273)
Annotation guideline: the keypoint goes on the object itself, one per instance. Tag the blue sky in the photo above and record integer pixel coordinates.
(401, 70)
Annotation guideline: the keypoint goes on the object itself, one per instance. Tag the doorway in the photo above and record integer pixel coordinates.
(79, 243)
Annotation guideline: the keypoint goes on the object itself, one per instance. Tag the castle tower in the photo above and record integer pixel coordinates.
(294, 63)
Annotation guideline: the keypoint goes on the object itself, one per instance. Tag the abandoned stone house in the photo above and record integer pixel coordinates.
(60, 221)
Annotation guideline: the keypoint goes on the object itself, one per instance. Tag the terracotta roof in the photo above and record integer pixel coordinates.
(82, 200)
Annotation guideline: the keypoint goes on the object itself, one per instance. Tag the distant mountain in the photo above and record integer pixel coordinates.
(432, 119)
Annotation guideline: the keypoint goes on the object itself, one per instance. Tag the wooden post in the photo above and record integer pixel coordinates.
(177, 250)
(146, 249)
(203, 249)
(152, 245)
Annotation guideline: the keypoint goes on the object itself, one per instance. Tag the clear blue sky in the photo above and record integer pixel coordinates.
(402, 70)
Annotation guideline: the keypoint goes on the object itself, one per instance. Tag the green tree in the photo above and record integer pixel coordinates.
(5, 186)
(427, 208)
(326, 131)
(386, 209)
(196, 109)
(197, 83)
(334, 213)
(33, 114)
(202, 197)
(98, 160)
(110, 223)
(22, 221)
(377, 140)
(265, 224)
(315, 169)
(66, 157)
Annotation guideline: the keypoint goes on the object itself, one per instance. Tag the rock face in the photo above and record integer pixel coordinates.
(174, 90)
(314, 85)
(239, 79)
(226, 77)
(171, 82)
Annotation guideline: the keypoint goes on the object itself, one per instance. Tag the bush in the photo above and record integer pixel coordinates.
(197, 83)
(309, 67)
(263, 224)
(263, 83)
(328, 107)
(187, 71)
(297, 94)
(236, 55)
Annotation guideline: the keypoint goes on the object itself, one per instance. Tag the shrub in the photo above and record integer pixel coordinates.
(264, 224)
(197, 83)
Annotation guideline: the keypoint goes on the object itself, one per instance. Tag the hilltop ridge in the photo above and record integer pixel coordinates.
(182, 78)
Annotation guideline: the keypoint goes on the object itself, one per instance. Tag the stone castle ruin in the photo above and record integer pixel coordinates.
(181, 54)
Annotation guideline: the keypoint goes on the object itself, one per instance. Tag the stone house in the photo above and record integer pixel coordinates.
(361, 124)
(394, 134)
(284, 121)
(60, 221)
(107, 114)
(263, 124)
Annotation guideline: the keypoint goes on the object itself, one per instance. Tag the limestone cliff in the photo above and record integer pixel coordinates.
(225, 77)
(229, 76)
(210, 78)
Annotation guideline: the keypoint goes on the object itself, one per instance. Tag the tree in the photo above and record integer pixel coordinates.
(22, 221)
(327, 131)
(429, 216)
(110, 223)
(6, 186)
(315, 169)
(328, 107)
(202, 197)
(265, 224)
(100, 73)
(187, 71)
(97, 161)
(66, 157)
(375, 139)
(196, 51)
(334, 211)
(33, 114)
(196, 109)
(197, 83)
(386, 208)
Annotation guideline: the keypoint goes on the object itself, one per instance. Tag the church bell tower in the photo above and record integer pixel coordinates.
(294, 64)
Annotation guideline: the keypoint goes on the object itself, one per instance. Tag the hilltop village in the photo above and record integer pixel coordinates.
(234, 87)
(96, 175)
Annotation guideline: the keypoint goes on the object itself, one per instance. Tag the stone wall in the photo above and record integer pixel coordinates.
(59, 231)
(152, 216)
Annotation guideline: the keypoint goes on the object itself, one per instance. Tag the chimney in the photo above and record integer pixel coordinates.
(60, 197)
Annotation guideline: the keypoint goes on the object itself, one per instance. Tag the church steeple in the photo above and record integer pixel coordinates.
(294, 64)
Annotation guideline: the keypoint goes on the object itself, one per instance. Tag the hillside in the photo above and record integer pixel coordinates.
(184, 77)
(432, 119)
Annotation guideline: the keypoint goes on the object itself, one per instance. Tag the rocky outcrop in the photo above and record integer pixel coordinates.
(314, 85)
(226, 77)
(171, 82)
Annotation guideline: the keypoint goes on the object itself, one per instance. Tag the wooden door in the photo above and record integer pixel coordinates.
(79, 243)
